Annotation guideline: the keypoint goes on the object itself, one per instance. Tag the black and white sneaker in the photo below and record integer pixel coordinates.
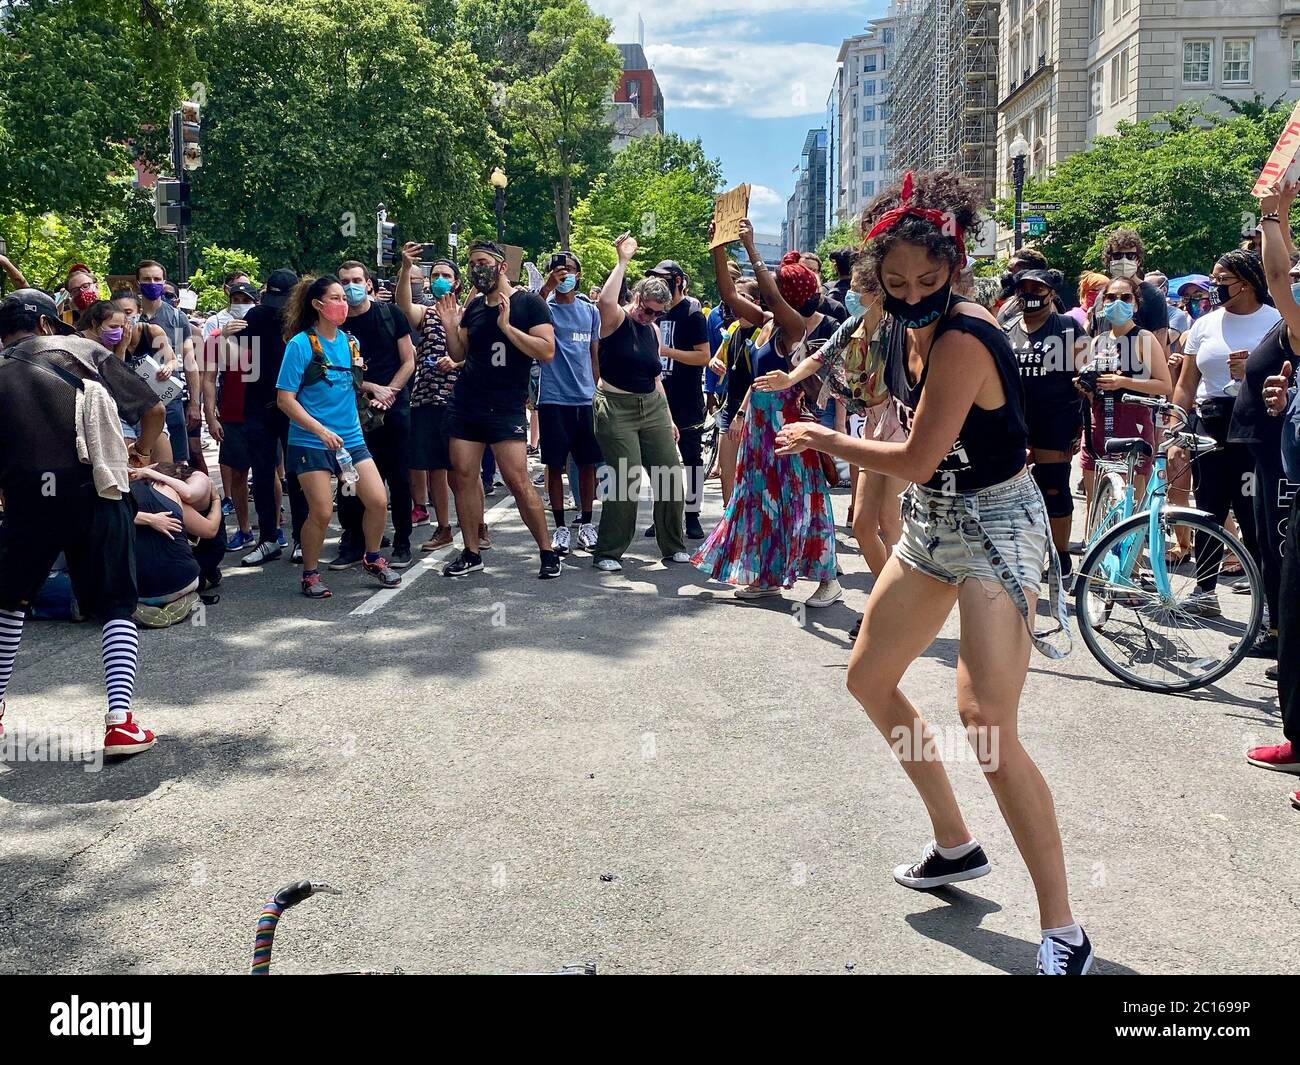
(462, 564)
(266, 551)
(1056, 957)
(934, 870)
(400, 556)
(561, 542)
(550, 568)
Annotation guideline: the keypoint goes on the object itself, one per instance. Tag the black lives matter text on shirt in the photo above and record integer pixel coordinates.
(683, 328)
(494, 379)
(378, 332)
(1047, 362)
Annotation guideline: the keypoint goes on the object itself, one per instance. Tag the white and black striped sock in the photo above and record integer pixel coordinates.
(121, 652)
(11, 635)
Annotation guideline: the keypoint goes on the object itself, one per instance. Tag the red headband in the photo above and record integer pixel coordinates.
(795, 281)
(893, 217)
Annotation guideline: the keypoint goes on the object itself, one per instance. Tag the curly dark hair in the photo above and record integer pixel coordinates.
(958, 197)
(299, 315)
(1123, 237)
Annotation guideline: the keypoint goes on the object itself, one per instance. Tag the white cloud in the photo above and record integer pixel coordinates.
(747, 78)
(766, 209)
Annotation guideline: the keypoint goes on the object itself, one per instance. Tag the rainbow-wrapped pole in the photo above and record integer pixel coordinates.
(287, 896)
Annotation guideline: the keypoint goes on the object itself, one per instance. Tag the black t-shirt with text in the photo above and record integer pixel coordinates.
(1047, 363)
(683, 328)
(494, 379)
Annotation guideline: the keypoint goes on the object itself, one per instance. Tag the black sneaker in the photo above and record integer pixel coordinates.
(1265, 646)
(693, 528)
(934, 870)
(650, 532)
(1271, 672)
(400, 557)
(346, 559)
(385, 542)
(462, 564)
(550, 568)
(1056, 957)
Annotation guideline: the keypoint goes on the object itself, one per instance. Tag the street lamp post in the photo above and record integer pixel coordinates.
(1019, 151)
(498, 180)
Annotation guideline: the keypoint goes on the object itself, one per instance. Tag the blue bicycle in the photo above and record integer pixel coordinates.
(1158, 624)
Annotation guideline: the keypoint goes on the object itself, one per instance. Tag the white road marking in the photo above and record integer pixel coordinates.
(386, 595)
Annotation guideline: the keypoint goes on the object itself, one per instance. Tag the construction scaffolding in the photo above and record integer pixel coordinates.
(943, 95)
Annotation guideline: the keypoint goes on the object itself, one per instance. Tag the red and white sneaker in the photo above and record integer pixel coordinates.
(126, 737)
(1281, 757)
(1295, 799)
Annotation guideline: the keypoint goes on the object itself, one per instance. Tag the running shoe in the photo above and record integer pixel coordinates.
(539, 479)
(1265, 646)
(532, 450)
(608, 565)
(694, 530)
(934, 870)
(296, 555)
(857, 628)
(126, 737)
(1242, 586)
(827, 592)
(550, 568)
(1056, 957)
(346, 559)
(263, 552)
(280, 538)
(1279, 756)
(240, 539)
(227, 505)
(312, 587)
(379, 569)
(753, 591)
(400, 557)
(1201, 605)
(462, 564)
(680, 557)
(587, 536)
(489, 489)
(1295, 799)
(484, 539)
(419, 514)
(441, 538)
(561, 542)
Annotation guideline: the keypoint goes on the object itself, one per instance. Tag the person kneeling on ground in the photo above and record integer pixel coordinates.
(167, 572)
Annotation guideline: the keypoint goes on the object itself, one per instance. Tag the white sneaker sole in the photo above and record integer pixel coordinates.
(119, 750)
(757, 593)
(928, 883)
(1291, 767)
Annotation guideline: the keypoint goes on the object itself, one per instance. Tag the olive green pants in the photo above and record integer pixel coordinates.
(636, 433)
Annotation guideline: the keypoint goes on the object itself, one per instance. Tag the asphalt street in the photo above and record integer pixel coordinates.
(508, 775)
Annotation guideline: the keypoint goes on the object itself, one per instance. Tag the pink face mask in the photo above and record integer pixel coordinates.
(334, 312)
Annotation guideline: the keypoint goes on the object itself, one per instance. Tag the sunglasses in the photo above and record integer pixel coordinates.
(1123, 297)
(1124, 255)
(651, 313)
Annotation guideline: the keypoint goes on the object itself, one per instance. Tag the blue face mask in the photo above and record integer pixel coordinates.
(853, 303)
(1295, 292)
(439, 286)
(1117, 312)
(569, 283)
(355, 294)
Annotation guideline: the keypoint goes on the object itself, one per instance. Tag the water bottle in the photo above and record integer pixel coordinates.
(347, 472)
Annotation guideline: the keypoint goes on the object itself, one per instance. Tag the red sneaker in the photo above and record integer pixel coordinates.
(127, 737)
(1295, 799)
(1279, 756)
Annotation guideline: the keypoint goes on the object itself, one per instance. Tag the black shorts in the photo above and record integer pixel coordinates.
(488, 428)
(567, 430)
(1054, 430)
(97, 536)
(234, 451)
(430, 441)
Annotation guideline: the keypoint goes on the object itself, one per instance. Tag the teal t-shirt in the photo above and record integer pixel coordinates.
(332, 402)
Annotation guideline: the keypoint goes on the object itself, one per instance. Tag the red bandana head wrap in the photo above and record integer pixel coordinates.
(796, 282)
(946, 223)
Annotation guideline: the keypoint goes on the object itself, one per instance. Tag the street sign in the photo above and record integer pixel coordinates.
(1039, 208)
(1036, 228)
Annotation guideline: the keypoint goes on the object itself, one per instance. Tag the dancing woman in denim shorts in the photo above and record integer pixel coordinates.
(975, 533)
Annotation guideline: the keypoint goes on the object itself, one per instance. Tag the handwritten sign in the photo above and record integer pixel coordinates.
(1281, 165)
(728, 211)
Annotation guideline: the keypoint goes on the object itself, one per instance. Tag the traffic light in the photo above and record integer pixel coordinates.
(186, 151)
(386, 247)
(171, 204)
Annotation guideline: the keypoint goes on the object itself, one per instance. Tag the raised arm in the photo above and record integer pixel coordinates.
(1276, 240)
(787, 318)
(741, 306)
(611, 311)
(402, 297)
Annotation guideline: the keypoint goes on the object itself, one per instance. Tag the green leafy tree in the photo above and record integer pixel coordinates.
(842, 234)
(1182, 179)
(217, 264)
(661, 189)
(44, 246)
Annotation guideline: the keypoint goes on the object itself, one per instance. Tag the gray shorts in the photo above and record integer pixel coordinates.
(999, 535)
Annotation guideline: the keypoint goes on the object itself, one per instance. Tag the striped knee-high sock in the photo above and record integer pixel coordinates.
(121, 652)
(11, 635)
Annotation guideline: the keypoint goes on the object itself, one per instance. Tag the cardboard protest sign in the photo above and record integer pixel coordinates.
(514, 261)
(1281, 166)
(728, 210)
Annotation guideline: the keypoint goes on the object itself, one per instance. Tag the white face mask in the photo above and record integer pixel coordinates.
(238, 310)
(1123, 268)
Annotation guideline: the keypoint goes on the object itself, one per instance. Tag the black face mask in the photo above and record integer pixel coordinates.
(1033, 303)
(917, 315)
(1222, 293)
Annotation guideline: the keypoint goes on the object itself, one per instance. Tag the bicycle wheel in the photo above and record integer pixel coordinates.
(1106, 507)
(711, 438)
(1165, 628)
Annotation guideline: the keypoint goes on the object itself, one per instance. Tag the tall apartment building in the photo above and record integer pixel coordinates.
(944, 87)
(1072, 70)
(637, 109)
(805, 210)
(857, 116)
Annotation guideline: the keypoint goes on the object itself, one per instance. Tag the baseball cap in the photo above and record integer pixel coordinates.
(667, 268)
(243, 288)
(28, 301)
(278, 287)
(1042, 277)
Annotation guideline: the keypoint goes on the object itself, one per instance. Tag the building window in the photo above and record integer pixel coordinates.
(869, 87)
(1098, 14)
(868, 163)
(1238, 59)
(869, 113)
(1044, 33)
(889, 35)
(1026, 54)
(868, 188)
(1120, 8)
(1119, 76)
(1198, 60)
(1295, 61)
(884, 112)
(869, 138)
(869, 64)
(1095, 80)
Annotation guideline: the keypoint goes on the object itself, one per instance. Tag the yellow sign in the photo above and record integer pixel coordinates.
(728, 211)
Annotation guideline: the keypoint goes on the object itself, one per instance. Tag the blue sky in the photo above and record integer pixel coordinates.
(748, 77)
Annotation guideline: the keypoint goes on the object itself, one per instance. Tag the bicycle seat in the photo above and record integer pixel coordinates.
(1128, 445)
